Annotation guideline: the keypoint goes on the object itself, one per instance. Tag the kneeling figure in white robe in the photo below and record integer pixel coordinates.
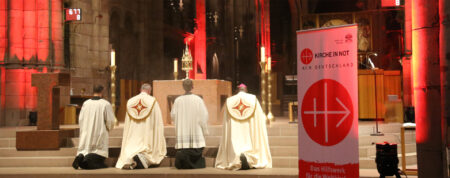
(143, 142)
(244, 143)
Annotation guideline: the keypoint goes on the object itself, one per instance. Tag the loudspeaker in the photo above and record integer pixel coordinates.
(387, 160)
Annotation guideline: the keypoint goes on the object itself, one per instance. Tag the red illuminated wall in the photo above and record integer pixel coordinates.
(3, 26)
(31, 32)
(199, 65)
(262, 6)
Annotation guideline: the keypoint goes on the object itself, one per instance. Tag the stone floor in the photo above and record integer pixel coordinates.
(162, 172)
(282, 139)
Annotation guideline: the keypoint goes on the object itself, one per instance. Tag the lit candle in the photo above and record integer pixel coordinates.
(175, 65)
(269, 63)
(113, 57)
(263, 54)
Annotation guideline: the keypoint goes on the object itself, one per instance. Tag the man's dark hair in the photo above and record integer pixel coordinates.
(187, 85)
(98, 89)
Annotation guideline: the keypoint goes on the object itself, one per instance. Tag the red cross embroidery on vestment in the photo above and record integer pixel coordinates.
(139, 107)
(241, 107)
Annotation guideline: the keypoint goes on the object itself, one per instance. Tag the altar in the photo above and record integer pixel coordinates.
(213, 92)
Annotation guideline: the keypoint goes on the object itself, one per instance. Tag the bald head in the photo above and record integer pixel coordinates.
(187, 85)
(147, 88)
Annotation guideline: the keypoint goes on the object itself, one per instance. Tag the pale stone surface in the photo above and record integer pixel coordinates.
(214, 93)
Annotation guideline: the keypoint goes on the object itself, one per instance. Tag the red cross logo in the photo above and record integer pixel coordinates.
(306, 56)
(241, 107)
(327, 112)
(139, 107)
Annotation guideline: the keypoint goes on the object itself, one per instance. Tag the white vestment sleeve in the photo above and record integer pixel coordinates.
(109, 117)
(159, 141)
(204, 118)
(80, 116)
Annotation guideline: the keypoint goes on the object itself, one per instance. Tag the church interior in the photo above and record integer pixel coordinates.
(53, 52)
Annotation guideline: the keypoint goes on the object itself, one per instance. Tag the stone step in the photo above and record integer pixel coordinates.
(66, 161)
(367, 151)
(12, 152)
(369, 162)
(7, 142)
(366, 128)
(210, 141)
(273, 140)
(366, 140)
(114, 152)
(160, 172)
(215, 130)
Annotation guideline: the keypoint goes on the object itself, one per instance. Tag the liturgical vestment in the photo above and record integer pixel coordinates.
(95, 120)
(143, 132)
(190, 116)
(244, 132)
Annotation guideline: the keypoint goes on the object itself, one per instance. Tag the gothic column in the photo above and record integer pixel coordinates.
(427, 89)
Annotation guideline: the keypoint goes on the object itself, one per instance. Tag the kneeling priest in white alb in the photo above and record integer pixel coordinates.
(143, 143)
(244, 143)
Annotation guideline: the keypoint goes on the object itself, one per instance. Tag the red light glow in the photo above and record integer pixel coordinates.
(199, 64)
(3, 26)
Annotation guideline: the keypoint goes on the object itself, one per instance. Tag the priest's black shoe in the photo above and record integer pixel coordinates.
(76, 163)
(244, 162)
(139, 164)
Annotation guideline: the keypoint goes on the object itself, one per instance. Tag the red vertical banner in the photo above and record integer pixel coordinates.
(57, 32)
(16, 30)
(29, 29)
(328, 102)
(3, 27)
(43, 27)
(199, 64)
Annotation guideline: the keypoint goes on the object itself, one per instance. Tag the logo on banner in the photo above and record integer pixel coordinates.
(348, 38)
(327, 112)
(306, 56)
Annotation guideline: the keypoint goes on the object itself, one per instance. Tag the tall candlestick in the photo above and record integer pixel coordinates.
(113, 57)
(263, 54)
(175, 65)
(269, 91)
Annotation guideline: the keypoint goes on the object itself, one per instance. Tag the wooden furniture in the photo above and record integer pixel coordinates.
(213, 92)
(374, 86)
(403, 159)
(291, 111)
(70, 114)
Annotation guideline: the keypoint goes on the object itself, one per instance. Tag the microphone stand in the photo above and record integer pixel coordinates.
(372, 67)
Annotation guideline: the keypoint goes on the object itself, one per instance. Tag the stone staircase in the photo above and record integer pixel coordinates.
(282, 140)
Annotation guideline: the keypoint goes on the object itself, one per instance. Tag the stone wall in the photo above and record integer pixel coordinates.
(133, 28)
(89, 46)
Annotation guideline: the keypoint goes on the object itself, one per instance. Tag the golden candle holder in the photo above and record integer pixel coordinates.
(175, 75)
(263, 85)
(113, 91)
(269, 96)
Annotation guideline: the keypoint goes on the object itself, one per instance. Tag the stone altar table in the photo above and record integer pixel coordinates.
(213, 92)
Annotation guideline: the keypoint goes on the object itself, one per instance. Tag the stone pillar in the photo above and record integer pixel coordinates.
(444, 44)
(427, 89)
